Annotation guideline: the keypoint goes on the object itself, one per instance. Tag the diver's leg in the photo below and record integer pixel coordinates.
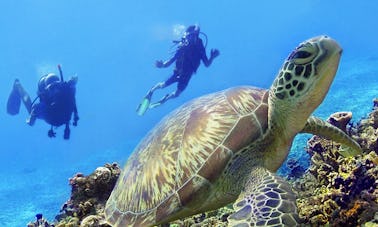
(51, 132)
(166, 98)
(37, 111)
(161, 85)
(181, 85)
(76, 115)
(24, 95)
(145, 104)
(66, 132)
(32, 117)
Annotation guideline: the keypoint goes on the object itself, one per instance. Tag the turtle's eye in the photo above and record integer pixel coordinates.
(303, 54)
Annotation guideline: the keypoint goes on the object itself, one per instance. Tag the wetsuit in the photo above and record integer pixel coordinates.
(188, 59)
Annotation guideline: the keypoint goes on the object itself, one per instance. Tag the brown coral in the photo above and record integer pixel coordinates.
(89, 195)
(340, 119)
(343, 191)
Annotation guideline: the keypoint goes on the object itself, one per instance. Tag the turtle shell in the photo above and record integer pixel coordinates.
(186, 150)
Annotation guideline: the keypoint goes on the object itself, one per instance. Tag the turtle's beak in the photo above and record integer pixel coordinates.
(326, 66)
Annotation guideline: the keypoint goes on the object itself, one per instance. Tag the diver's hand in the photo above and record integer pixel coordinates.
(214, 53)
(51, 133)
(159, 64)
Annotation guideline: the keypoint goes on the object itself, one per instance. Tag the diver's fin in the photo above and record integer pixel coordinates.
(143, 106)
(25, 98)
(14, 101)
(153, 105)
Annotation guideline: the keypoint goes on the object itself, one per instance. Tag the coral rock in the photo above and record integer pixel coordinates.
(340, 191)
(89, 195)
(340, 120)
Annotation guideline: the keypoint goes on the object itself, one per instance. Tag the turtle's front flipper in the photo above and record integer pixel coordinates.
(267, 200)
(322, 128)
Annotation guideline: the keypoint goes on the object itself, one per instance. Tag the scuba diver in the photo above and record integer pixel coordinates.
(56, 103)
(190, 51)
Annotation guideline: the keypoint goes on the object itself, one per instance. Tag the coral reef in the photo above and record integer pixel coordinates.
(39, 222)
(296, 170)
(88, 197)
(340, 191)
(340, 119)
(335, 191)
(209, 219)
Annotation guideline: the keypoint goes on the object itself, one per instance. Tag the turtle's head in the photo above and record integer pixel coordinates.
(304, 79)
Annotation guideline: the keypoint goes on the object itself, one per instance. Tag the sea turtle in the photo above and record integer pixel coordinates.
(224, 148)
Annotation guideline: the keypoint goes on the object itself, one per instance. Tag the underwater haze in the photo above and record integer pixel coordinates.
(112, 46)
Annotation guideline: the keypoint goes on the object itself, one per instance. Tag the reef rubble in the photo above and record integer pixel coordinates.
(334, 191)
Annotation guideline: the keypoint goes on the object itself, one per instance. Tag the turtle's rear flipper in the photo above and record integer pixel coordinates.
(14, 101)
(267, 200)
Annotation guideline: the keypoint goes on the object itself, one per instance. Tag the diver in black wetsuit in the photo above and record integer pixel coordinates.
(56, 104)
(188, 56)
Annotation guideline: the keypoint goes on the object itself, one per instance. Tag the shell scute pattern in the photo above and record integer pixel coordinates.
(173, 152)
(149, 175)
(204, 131)
(175, 165)
(251, 104)
(167, 207)
(245, 99)
(216, 162)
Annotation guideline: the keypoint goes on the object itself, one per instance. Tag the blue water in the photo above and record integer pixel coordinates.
(112, 46)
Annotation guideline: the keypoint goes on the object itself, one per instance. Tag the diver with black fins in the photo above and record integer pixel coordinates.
(190, 51)
(56, 102)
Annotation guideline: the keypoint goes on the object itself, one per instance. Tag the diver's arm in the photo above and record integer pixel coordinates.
(213, 54)
(161, 64)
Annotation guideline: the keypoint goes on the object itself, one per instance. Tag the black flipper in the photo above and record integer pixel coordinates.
(14, 101)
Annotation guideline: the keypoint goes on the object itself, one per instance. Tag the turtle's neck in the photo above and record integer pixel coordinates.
(285, 119)
(284, 122)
